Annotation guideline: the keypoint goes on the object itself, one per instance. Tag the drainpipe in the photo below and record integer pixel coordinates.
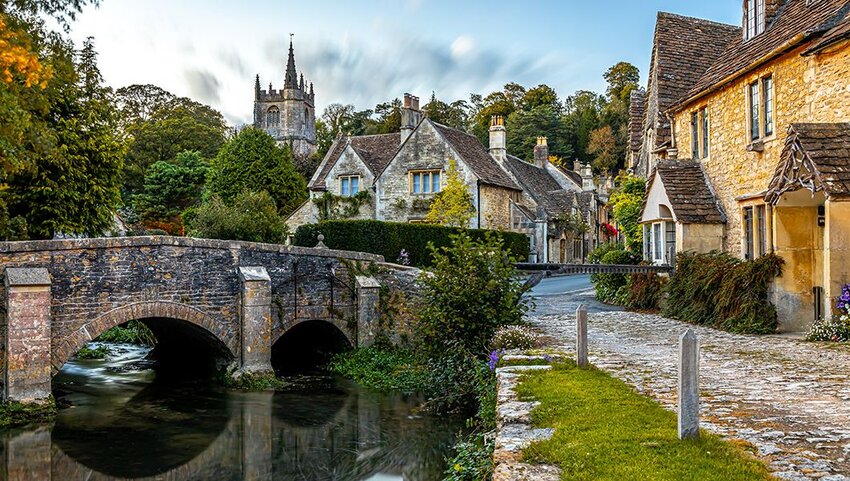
(545, 242)
(478, 187)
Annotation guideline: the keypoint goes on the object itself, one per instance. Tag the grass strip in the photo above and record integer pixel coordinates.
(604, 430)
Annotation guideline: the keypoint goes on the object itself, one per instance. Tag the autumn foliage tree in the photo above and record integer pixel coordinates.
(453, 205)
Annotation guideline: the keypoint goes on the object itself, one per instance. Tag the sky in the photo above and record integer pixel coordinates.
(365, 52)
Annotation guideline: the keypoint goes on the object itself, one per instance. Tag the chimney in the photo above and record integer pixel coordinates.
(410, 116)
(587, 184)
(498, 142)
(541, 153)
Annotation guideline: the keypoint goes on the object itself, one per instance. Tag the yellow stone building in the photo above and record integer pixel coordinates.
(766, 125)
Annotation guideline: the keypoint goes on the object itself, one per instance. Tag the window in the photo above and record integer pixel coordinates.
(349, 185)
(657, 242)
(754, 20)
(761, 219)
(694, 135)
(761, 110)
(699, 133)
(749, 240)
(273, 117)
(767, 88)
(755, 132)
(425, 182)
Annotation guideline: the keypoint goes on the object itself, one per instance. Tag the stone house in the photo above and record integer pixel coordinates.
(763, 132)
(395, 177)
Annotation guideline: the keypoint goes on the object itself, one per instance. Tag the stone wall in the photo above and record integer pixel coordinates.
(495, 207)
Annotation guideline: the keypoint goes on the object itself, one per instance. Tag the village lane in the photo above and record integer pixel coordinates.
(788, 398)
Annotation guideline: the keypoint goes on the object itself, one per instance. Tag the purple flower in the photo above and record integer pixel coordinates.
(494, 359)
(404, 258)
(547, 358)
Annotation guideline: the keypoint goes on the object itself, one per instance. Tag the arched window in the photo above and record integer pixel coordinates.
(273, 116)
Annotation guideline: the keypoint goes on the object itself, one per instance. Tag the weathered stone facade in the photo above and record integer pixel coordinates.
(288, 114)
(244, 296)
(797, 71)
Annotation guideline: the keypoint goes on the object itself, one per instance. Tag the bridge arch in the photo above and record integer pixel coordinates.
(307, 343)
(139, 311)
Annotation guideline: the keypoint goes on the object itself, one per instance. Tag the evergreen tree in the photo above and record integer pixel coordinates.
(172, 187)
(252, 161)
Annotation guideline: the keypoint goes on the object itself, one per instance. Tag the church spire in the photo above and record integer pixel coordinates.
(257, 88)
(291, 81)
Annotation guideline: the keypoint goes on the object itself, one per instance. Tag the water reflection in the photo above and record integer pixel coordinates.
(123, 424)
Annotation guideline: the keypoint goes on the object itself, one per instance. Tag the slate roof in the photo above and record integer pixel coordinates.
(816, 157)
(476, 157)
(687, 189)
(541, 186)
(637, 113)
(573, 175)
(795, 22)
(375, 150)
(684, 48)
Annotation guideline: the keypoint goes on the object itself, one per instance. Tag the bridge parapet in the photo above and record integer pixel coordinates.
(564, 269)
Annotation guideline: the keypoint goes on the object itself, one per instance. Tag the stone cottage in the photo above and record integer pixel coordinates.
(395, 177)
(755, 157)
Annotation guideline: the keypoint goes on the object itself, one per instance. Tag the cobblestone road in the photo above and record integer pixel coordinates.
(788, 398)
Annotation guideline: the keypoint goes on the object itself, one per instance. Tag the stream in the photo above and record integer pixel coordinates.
(119, 420)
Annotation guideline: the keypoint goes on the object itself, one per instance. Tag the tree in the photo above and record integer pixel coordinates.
(582, 112)
(453, 205)
(72, 187)
(172, 187)
(161, 125)
(523, 128)
(63, 11)
(338, 119)
(541, 96)
(324, 140)
(252, 161)
(622, 78)
(252, 217)
(626, 203)
(603, 145)
(453, 115)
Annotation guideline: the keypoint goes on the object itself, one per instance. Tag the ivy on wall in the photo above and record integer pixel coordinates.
(337, 207)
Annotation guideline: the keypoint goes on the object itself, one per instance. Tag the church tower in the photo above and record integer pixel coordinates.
(288, 114)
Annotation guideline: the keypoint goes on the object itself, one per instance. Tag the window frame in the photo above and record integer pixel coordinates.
(426, 187)
(755, 18)
(761, 108)
(695, 135)
(273, 116)
(754, 110)
(768, 109)
(706, 132)
(760, 229)
(346, 180)
(749, 236)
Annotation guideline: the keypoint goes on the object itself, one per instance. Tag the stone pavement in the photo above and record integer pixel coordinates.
(788, 398)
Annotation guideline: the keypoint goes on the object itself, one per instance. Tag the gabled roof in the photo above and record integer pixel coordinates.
(637, 113)
(541, 186)
(797, 21)
(691, 199)
(376, 151)
(476, 156)
(815, 157)
(573, 175)
(683, 49)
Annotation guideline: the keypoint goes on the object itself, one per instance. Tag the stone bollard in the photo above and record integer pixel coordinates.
(688, 386)
(581, 336)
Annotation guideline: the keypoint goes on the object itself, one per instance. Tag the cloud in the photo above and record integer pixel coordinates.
(203, 85)
(462, 46)
(364, 73)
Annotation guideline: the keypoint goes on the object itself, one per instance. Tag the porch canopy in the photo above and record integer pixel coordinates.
(681, 186)
(815, 157)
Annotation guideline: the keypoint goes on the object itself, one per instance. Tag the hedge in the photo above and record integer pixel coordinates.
(389, 238)
(724, 292)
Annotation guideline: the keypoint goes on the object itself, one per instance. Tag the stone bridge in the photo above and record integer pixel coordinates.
(241, 297)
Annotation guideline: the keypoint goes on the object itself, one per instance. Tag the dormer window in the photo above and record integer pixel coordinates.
(754, 16)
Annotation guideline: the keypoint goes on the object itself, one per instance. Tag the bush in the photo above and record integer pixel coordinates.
(134, 333)
(389, 239)
(836, 329)
(97, 352)
(473, 459)
(251, 217)
(514, 337)
(611, 288)
(473, 291)
(381, 368)
(644, 291)
(724, 292)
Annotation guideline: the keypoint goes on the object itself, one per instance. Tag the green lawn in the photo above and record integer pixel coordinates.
(604, 430)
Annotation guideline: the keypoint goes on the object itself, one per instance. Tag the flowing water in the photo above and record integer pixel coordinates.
(119, 421)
